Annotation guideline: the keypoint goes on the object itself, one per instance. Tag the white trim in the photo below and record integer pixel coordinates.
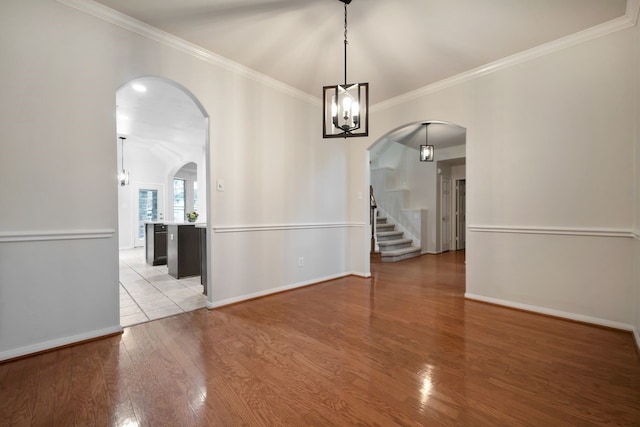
(359, 274)
(273, 227)
(121, 20)
(628, 20)
(633, 8)
(562, 231)
(35, 236)
(234, 300)
(60, 342)
(636, 335)
(551, 312)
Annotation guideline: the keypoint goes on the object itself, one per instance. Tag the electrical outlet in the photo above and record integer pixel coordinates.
(301, 262)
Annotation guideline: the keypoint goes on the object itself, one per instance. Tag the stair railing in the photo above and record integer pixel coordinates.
(372, 218)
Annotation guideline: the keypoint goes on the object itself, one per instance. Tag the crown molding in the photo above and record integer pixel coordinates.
(628, 20)
(128, 23)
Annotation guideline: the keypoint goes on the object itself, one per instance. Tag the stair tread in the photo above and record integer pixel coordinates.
(402, 251)
(394, 242)
(382, 226)
(390, 233)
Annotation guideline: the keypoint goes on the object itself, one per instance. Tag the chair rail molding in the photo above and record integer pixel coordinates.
(562, 231)
(279, 227)
(46, 235)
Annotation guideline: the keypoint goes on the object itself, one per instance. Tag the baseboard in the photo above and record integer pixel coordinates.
(555, 313)
(61, 342)
(254, 295)
(636, 335)
(359, 274)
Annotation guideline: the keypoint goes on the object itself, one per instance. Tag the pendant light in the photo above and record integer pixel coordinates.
(426, 151)
(123, 175)
(345, 108)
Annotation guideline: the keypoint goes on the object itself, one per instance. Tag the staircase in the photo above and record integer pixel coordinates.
(393, 246)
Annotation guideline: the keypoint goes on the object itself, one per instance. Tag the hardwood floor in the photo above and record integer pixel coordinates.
(401, 348)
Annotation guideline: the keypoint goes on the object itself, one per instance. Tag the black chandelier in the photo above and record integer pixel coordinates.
(426, 151)
(345, 108)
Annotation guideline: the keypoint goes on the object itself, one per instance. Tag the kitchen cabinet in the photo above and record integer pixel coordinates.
(183, 250)
(156, 243)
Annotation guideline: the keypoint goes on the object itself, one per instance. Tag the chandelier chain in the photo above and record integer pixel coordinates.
(346, 42)
(345, 24)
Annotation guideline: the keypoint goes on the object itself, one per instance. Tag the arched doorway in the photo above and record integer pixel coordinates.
(162, 129)
(421, 204)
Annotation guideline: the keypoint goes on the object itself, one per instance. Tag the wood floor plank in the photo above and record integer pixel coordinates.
(400, 348)
(17, 393)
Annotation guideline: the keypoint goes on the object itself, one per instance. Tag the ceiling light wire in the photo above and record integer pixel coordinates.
(346, 42)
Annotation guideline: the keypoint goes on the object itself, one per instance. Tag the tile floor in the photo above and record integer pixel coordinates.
(148, 292)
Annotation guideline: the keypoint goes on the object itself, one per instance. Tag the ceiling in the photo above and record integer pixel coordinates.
(160, 115)
(395, 45)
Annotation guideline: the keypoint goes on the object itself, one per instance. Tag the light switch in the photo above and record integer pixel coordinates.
(220, 185)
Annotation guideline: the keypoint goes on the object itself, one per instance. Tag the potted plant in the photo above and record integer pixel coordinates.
(192, 216)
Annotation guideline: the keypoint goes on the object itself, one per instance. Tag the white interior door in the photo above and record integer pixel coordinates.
(445, 213)
(461, 214)
(148, 206)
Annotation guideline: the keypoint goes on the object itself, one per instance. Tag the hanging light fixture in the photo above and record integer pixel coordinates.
(123, 175)
(345, 107)
(426, 151)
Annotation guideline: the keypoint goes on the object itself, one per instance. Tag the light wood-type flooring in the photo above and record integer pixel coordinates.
(401, 348)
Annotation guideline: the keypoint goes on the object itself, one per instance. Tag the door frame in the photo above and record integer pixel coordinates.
(462, 232)
(445, 228)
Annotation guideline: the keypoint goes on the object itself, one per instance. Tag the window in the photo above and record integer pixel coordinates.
(147, 209)
(195, 196)
(178, 199)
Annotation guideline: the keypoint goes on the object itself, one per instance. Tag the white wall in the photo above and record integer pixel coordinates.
(532, 130)
(61, 70)
(549, 147)
(145, 166)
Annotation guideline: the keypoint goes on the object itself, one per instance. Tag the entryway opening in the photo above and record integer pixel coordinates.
(420, 206)
(162, 148)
